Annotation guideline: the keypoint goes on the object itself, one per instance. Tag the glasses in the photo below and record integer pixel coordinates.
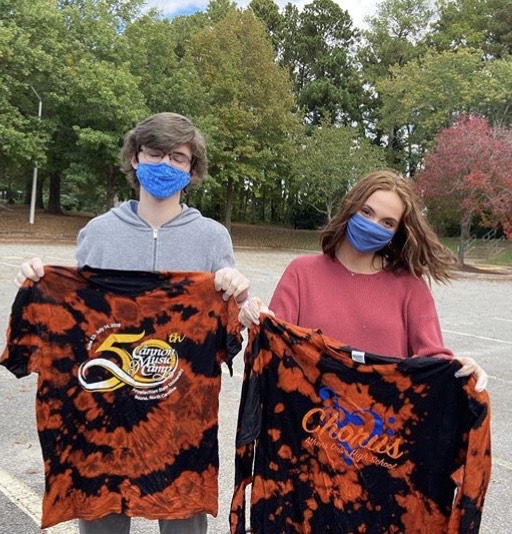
(156, 156)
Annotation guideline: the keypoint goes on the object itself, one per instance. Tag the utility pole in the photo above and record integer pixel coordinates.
(34, 176)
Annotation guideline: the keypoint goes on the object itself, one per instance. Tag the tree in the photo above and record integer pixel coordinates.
(461, 24)
(482, 24)
(110, 103)
(492, 91)
(424, 96)
(71, 53)
(499, 29)
(395, 36)
(268, 12)
(330, 161)
(318, 49)
(500, 197)
(250, 101)
(30, 63)
(101, 99)
(467, 174)
(158, 52)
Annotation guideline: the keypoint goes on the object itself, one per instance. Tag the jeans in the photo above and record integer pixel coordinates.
(120, 524)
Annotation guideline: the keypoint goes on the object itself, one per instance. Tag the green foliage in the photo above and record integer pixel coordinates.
(461, 24)
(499, 29)
(268, 12)
(248, 77)
(330, 161)
(249, 99)
(423, 96)
(29, 54)
(395, 36)
(482, 24)
(158, 56)
(317, 47)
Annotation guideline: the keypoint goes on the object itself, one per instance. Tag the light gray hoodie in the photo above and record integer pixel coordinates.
(120, 239)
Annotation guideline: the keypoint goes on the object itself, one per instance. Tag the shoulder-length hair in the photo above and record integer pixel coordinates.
(415, 247)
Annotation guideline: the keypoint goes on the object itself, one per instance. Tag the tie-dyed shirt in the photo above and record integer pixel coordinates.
(337, 441)
(129, 375)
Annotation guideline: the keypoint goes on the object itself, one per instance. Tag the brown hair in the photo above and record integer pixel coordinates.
(163, 131)
(414, 248)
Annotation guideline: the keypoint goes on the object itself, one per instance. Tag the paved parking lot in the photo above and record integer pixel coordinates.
(476, 316)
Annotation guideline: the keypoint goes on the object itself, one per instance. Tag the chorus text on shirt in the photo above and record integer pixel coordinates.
(350, 431)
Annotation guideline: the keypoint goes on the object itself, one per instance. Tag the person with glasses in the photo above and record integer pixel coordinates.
(161, 156)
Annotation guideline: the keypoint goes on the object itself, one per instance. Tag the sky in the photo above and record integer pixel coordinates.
(357, 9)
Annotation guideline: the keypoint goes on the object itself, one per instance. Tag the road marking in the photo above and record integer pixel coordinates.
(500, 379)
(57, 260)
(502, 463)
(478, 337)
(502, 319)
(9, 264)
(29, 502)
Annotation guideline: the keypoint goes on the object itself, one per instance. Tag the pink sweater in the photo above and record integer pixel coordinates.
(383, 313)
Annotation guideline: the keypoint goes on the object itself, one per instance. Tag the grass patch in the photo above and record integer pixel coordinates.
(482, 250)
(261, 236)
(504, 258)
(48, 228)
(451, 242)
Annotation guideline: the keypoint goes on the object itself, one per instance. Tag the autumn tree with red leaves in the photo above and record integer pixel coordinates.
(468, 174)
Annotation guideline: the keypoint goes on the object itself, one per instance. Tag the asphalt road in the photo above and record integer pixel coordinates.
(476, 316)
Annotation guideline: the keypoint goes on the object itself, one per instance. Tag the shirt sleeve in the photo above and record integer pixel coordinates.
(80, 254)
(24, 336)
(248, 430)
(424, 331)
(473, 477)
(285, 302)
(225, 256)
(234, 336)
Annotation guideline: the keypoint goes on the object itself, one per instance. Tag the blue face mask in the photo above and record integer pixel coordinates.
(161, 180)
(365, 235)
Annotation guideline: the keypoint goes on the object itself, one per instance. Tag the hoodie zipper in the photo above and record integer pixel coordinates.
(155, 238)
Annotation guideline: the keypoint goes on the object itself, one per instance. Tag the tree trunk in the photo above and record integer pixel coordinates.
(465, 226)
(460, 252)
(254, 208)
(54, 194)
(263, 205)
(229, 204)
(27, 197)
(39, 194)
(110, 193)
(28, 191)
(329, 205)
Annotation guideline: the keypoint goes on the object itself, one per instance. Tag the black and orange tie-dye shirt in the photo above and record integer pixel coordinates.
(337, 441)
(129, 376)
